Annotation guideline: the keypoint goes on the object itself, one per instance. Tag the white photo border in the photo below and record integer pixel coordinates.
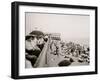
(54, 70)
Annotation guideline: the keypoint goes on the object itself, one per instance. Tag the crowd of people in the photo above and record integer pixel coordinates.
(70, 51)
(76, 50)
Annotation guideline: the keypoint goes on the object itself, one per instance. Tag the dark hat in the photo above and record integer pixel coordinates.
(28, 37)
(36, 32)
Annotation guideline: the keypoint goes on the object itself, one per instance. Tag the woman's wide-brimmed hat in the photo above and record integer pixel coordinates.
(29, 36)
(37, 33)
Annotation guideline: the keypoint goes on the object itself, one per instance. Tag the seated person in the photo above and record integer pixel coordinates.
(46, 38)
(31, 58)
(28, 63)
(31, 49)
(40, 42)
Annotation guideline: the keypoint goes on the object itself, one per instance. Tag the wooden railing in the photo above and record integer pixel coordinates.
(41, 60)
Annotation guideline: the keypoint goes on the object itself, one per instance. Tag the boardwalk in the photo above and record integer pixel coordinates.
(47, 59)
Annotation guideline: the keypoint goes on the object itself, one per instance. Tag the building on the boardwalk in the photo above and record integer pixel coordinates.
(55, 36)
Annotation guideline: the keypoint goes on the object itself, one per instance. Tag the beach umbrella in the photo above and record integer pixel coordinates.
(64, 63)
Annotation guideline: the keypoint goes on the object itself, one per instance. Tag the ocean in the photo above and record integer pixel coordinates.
(81, 41)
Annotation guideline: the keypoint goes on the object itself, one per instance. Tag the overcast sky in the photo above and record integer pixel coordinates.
(70, 26)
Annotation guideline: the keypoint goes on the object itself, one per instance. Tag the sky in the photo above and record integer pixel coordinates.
(70, 26)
